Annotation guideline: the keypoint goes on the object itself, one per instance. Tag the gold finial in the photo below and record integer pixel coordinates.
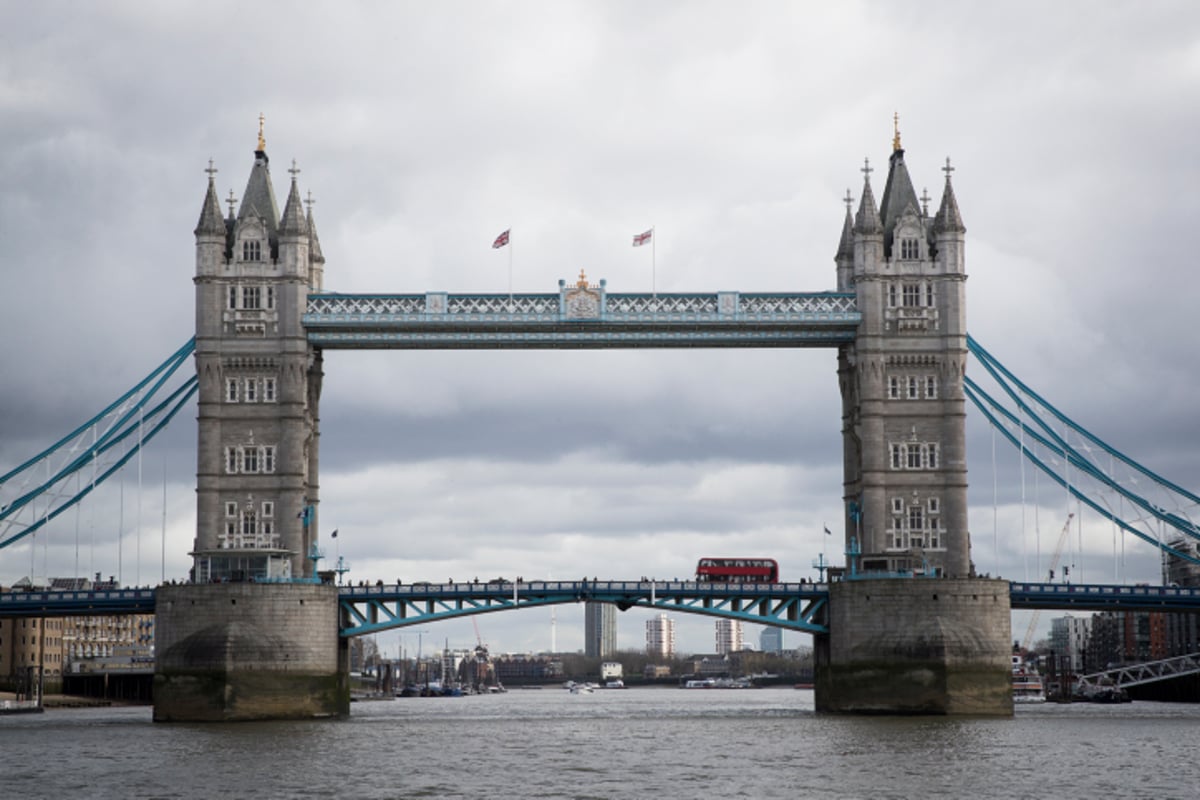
(896, 131)
(262, 143)
(582, 284)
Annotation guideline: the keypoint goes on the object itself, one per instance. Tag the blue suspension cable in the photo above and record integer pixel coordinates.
(1074, 490)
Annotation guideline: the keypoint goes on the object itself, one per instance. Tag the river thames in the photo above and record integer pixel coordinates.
(633, 743)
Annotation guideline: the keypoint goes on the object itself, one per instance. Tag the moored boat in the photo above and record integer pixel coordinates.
(1026, 682)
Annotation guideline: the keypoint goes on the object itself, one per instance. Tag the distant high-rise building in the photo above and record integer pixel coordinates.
(599, 629)
(1068, 637)
(729, 636)
(771, 640)
(660, 637)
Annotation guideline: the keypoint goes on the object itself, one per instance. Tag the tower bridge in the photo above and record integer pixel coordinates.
(896, 319)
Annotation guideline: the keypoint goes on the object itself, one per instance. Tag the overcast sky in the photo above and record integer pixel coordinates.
(424, 130)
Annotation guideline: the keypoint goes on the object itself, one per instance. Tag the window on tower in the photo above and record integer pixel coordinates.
(249, 522)
(251, 250)
(914, 455)
(910, 249)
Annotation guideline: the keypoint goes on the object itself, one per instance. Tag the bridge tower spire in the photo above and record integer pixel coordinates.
(260, 384)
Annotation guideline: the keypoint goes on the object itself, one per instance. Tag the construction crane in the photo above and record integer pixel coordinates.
(1062, 540)
(478, 638)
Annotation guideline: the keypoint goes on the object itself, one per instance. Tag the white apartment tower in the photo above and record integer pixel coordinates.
(729, 636)
(660, 637)
(599, 629)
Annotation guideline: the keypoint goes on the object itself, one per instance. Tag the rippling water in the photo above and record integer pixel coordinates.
(636, 743)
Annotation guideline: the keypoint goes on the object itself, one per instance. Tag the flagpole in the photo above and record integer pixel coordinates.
(653, 267)
(510, 259)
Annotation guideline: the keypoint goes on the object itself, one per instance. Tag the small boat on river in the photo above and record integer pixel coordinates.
(1026, 682)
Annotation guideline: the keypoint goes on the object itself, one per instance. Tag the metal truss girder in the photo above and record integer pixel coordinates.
(370, 609)
(543, 321)
(567, 339)
(1149, 672)
(774, 306)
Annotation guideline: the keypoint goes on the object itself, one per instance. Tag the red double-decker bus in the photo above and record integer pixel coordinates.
(737, 570)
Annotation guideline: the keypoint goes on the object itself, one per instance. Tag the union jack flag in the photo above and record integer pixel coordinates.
(640, 239)
(501, 240)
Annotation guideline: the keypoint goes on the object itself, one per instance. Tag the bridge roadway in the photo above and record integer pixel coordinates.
(796, 606)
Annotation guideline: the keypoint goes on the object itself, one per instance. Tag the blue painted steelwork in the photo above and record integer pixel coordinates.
(370, 609)
(581, 317)
(1058, 447)
(798, 606)
(134, 422)
(76, 604)
(1102, 597)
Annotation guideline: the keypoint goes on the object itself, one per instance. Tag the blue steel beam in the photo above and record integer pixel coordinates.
(370, 609)
(438, 320)
(797, 606)
(76, 604)
(1103, 597)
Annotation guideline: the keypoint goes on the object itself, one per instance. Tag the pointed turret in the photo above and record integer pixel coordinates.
(846, 243)
(845, 252)
(949, 231)
(867, 219)
(293, 233)
(211, 222)
(948, 219)
(316, 259)
(210, 230)
(293, 222)
(258, 201)
(899, 197)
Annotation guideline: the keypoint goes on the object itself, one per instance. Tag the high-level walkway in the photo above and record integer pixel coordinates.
(583, 317)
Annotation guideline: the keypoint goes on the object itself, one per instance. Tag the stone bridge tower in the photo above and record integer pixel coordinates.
(260, 384)
(247, 640)
(911, 629)
(903, 413)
